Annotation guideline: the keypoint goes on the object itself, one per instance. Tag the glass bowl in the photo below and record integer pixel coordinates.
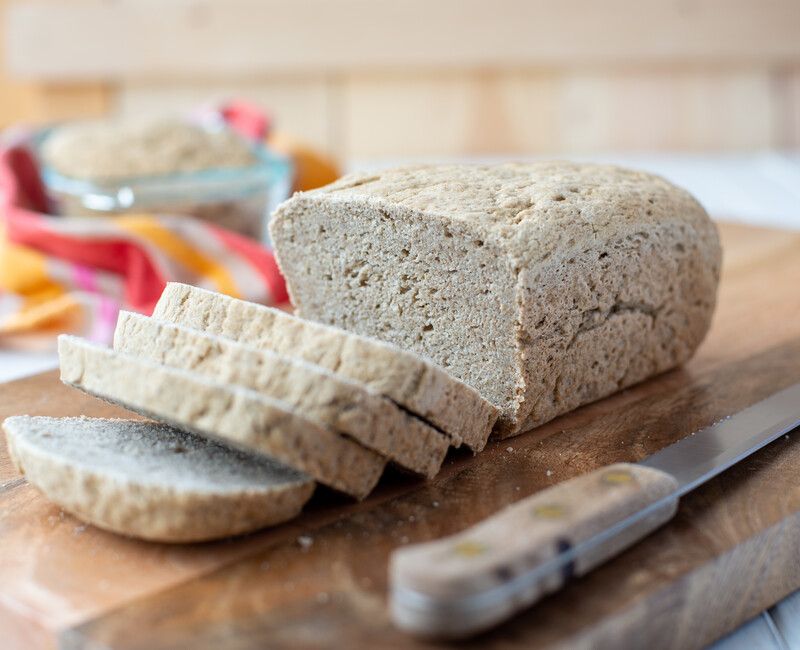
(236, 198)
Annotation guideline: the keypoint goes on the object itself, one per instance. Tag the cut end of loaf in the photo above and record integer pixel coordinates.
(430, 286)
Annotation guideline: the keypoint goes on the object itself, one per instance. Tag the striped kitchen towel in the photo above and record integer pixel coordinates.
(73, 274)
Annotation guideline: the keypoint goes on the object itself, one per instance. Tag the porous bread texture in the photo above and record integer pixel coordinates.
(231, 414)
(543, 285)
(406, 378)
(343, 405)
(150, 481)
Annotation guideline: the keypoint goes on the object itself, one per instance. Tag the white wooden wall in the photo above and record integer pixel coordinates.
(374, 78)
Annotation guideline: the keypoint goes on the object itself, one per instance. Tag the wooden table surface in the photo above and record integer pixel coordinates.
(731, 551)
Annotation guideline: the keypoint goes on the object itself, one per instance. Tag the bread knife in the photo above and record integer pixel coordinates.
(464, 584)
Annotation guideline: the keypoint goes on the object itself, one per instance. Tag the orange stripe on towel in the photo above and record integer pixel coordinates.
(23, 270)
(176, 248)
(39, 311)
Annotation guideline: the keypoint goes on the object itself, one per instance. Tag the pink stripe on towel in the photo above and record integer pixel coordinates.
(84, 278)
(105, 320)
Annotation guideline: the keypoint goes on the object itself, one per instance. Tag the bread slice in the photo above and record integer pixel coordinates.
(410, 380)
(148, 480)
(232, 414)
(543, 285)
(343, 405)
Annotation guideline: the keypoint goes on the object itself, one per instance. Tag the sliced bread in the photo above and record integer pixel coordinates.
(148, 480)
(543, 285)
(406, 378)
(233, 414)
(344, 405)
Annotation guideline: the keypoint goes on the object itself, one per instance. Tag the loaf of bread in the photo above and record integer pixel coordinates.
(544, 285)
(148, 480)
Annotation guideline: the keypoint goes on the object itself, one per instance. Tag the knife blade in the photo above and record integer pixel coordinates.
(466, 583)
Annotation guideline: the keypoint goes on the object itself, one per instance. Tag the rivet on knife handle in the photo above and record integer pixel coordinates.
(463, 584)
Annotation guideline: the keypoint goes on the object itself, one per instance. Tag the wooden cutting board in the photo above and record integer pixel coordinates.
(320, 581)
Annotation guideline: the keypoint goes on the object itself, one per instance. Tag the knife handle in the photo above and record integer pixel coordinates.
(460, 585)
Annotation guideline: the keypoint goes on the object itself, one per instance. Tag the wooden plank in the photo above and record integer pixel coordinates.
(15, 97)
(730, 552)
(681, 109)
(16, 100)
(36, 103)
(786, 84)
(405, 115)
(300, 106)
(447, 114)
(150, 38)
(524, 112)
(62, 101)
